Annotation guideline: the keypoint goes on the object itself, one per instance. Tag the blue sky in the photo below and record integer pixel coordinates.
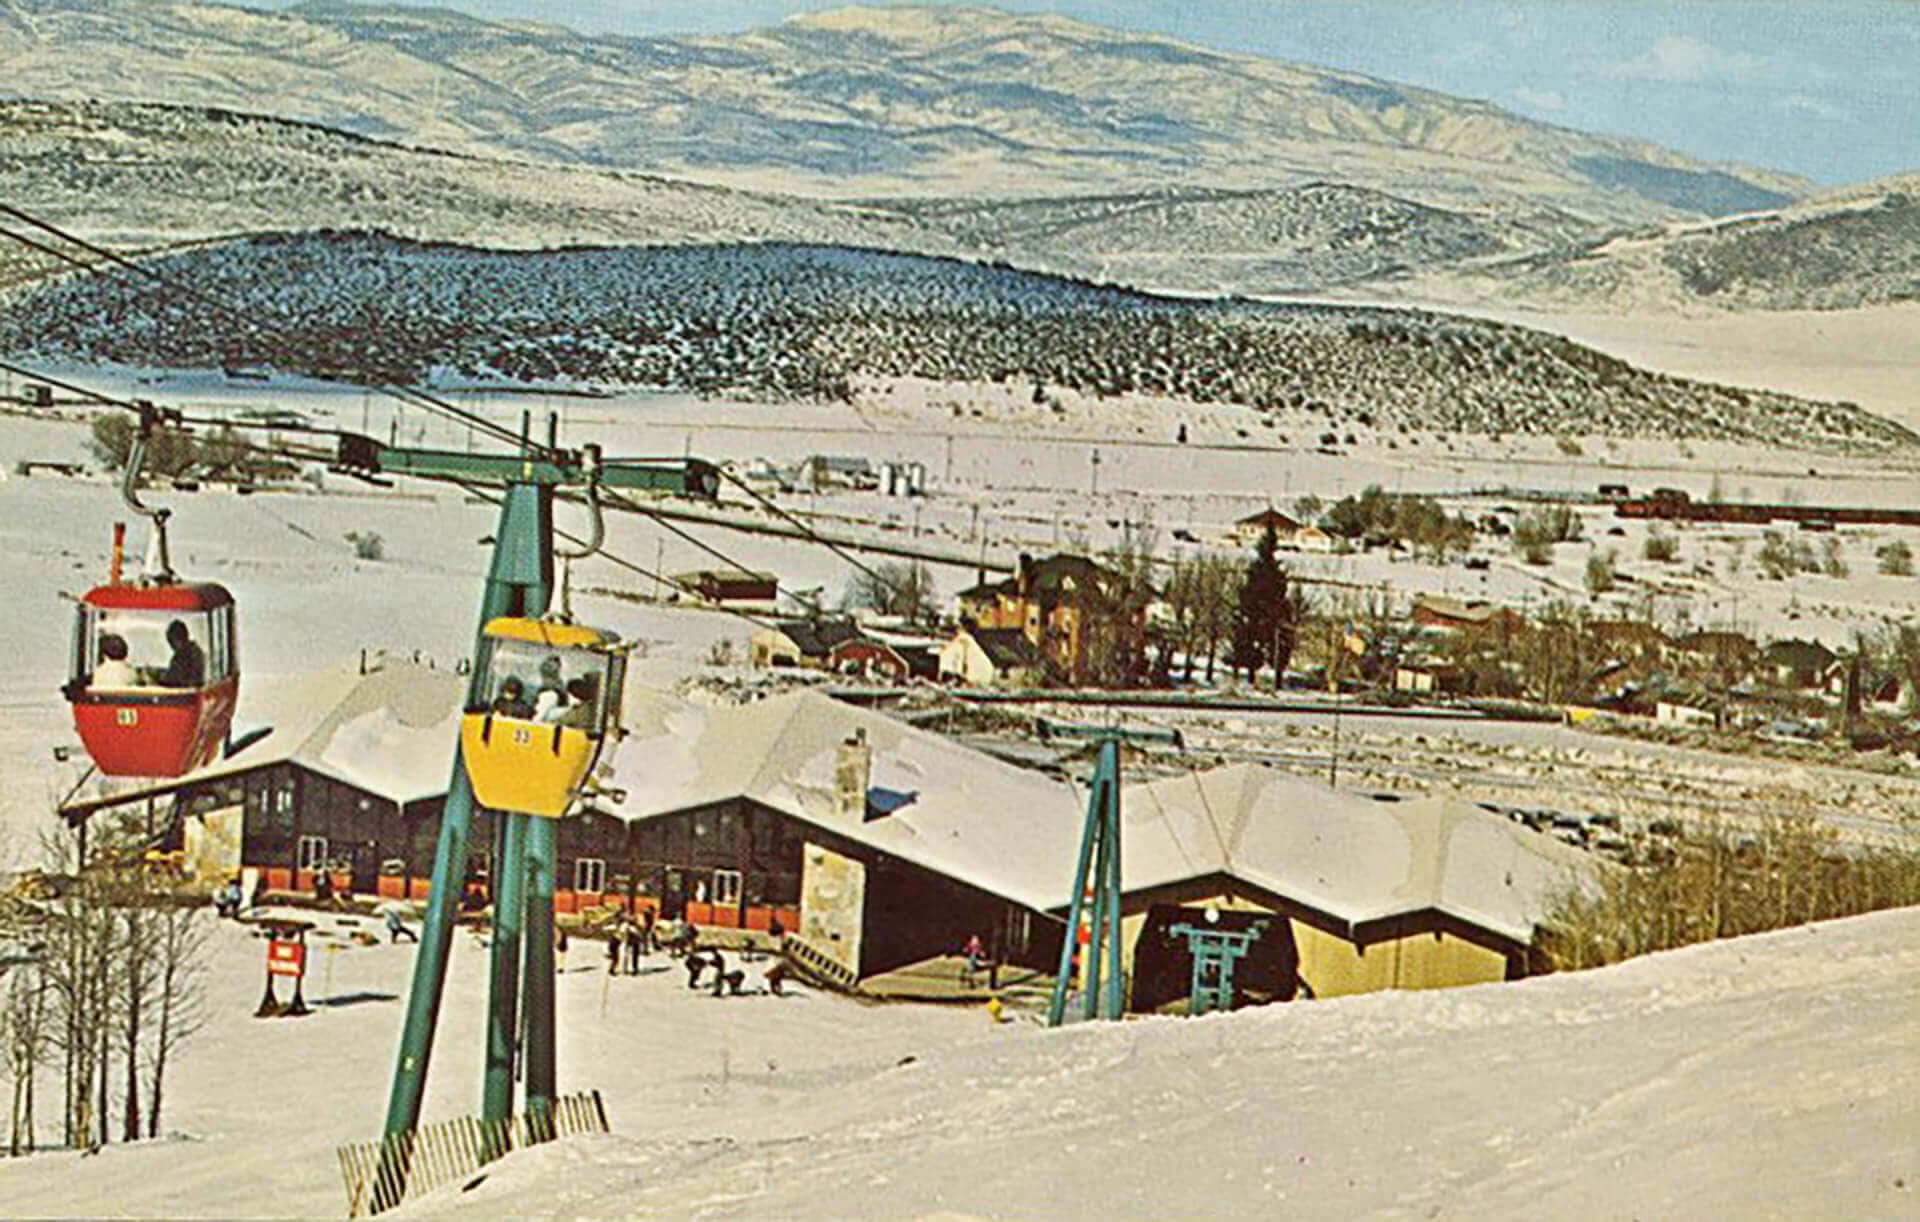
(1825, 88)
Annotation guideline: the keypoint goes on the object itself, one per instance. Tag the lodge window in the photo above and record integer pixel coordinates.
(1016, 932)
(280, 803)
(590, 874)
(313, 852)
(726, 887)
(777, 887)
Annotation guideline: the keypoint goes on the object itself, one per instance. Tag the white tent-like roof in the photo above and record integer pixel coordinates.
(952, 809)
(946, 806)
(389, 730)
(1351, 857)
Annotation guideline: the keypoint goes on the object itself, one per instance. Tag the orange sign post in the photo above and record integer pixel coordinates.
(286, 956)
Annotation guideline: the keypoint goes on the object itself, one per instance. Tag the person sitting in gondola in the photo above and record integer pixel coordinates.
(578, 712)
(114, 670)
(188, 666)
(512, 700)
(550, 697)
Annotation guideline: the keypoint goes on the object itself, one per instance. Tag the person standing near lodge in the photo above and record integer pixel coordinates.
(647, 922)
(397, 928)
(636, 945)
(613, 951)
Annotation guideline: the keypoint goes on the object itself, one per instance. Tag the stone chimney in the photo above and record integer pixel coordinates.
(852, 774)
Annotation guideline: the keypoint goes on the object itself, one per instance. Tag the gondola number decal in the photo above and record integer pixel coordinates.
(522, 735)
(126, 717)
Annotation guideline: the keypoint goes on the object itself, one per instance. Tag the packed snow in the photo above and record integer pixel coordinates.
(1773, 1076)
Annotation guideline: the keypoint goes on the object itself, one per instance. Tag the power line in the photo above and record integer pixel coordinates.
(619, 562)
(800, 525)
(621, 501)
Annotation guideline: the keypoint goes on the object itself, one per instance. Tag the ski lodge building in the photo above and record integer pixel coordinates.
(877, 846)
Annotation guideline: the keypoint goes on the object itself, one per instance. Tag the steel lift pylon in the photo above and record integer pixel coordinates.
(519, 583)
(1096, 879)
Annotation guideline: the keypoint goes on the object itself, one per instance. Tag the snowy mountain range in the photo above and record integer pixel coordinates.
(143, 176)
(860, 103)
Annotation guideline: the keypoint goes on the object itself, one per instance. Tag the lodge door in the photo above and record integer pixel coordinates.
(673, 895)
(365, 867)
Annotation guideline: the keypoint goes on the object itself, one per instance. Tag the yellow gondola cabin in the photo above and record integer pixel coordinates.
(551, 702)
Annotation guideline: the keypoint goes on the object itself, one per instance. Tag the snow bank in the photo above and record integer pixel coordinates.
(1770, 1076)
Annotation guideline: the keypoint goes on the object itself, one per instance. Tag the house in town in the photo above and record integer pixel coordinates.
(805, 643)
(992, 657)
(1442, 614)
(1803, 665)
(1248, 531)
(1087, 622)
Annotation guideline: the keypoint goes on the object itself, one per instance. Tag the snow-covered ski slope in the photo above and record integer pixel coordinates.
(1777, 1076)
(1774, 1076)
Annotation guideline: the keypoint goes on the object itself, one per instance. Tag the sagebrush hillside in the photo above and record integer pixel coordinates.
(143, 175)
(146, 176)
(806, 321)
(1297, 238)
(1858, 247)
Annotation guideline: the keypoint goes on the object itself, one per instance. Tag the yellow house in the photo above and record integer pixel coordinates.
(1359, 894)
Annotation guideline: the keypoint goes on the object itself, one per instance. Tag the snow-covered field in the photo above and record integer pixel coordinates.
(1003, 477)
(1775, 1076)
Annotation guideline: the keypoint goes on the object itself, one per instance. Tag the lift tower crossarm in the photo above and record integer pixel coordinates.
(1048, 728)
(368, 459)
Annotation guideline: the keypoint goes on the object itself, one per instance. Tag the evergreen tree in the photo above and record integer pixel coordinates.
(1263, 627)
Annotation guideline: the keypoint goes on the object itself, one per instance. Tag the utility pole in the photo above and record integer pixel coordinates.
(1095, 488)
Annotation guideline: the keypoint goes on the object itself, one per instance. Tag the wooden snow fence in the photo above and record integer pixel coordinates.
(401, 1166)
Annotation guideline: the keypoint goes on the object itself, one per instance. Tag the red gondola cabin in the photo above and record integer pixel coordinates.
(155, 676)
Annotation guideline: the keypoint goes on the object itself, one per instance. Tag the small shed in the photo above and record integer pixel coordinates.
(730, 586)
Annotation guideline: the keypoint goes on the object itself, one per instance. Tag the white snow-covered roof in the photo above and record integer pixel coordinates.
(389, 731)
(961, 813)
(1351, 857)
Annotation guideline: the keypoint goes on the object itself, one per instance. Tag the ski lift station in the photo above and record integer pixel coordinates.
(880, 848)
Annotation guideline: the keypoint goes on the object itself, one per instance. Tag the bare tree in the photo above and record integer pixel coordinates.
(24, 1021)
(179, 948)
(1217, 597)
(894, 588)
(119, 969)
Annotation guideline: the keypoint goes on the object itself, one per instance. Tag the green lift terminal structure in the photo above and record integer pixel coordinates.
(1214, 952)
